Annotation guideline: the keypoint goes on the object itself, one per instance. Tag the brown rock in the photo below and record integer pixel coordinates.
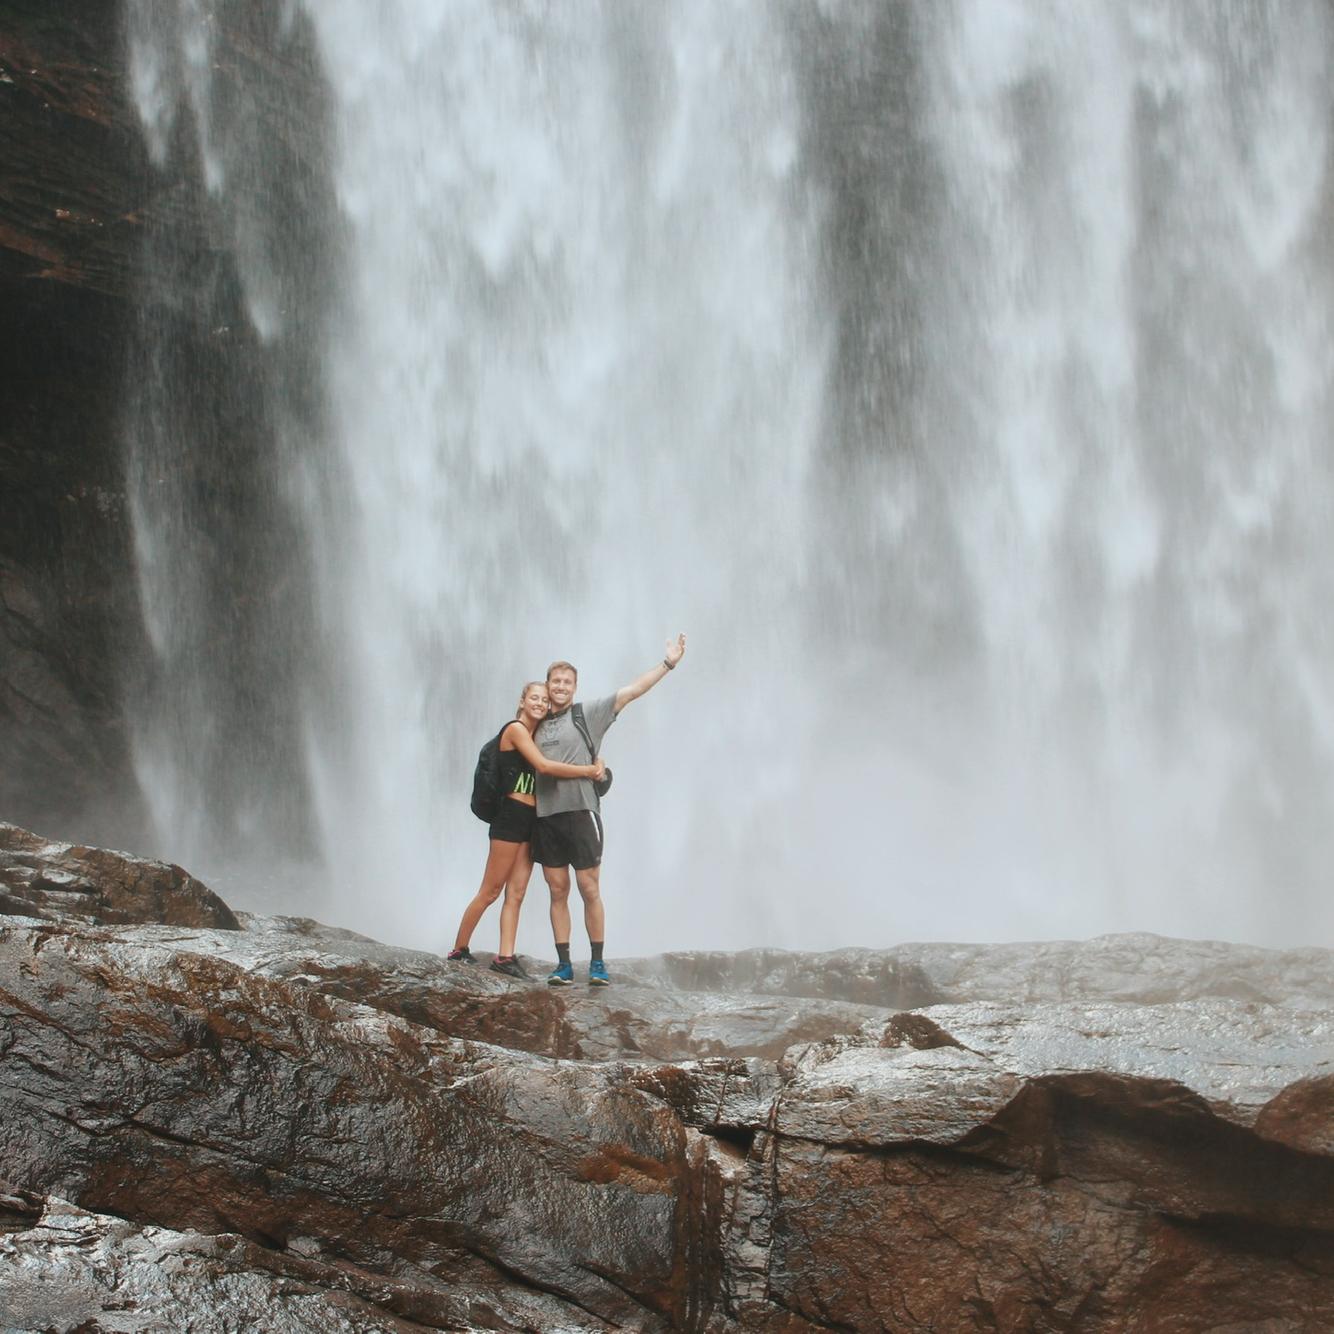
(174, 1089)
(298, 1106)
(916, 1240)
(62, 882)
(1302, 1116)
(629, 1019)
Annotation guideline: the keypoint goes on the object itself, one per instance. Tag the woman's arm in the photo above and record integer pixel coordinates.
(527, 747)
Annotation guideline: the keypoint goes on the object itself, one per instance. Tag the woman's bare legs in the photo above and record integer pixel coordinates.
(499, 866)
(515, 888)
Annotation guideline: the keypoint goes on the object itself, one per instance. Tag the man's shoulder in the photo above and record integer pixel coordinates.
(604, 709)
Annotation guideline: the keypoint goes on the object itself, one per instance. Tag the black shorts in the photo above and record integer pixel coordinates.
(514, 821)
(569, 838)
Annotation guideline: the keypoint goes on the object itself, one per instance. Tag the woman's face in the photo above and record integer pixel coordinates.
(536, 705)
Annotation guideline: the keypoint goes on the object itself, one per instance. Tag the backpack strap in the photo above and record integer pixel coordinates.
(577, 717)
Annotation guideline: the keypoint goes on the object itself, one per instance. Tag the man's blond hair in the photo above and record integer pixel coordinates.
(556, 666)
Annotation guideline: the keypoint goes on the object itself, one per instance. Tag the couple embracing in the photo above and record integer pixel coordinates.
(550, 814)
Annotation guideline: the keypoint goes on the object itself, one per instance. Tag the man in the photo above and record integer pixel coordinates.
(569, 821)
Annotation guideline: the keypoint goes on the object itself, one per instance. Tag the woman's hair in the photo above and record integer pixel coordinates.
(523, 695)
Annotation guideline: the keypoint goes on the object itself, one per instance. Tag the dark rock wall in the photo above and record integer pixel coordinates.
(132, 377)
(72, 178)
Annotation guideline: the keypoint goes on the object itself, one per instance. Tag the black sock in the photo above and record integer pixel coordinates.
(563, 951)
(596, 947)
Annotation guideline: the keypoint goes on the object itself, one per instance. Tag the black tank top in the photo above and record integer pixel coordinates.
(516, 774)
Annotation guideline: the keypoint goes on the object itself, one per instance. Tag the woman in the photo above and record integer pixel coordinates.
(510, 862)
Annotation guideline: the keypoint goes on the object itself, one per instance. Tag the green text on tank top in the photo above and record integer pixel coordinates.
(524, 779)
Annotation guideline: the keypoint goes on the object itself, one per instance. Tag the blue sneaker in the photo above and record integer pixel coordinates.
(561, 976)
(597, 974)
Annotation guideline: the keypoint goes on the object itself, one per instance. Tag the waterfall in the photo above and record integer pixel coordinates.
(223, 422)
(954, 374)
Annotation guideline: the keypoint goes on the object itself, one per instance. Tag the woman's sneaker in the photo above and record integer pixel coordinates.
(460, 956)
(598, 975)
(560, 976)
(510, 966)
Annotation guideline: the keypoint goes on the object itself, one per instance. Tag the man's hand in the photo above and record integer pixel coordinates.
(599, 770)
(676, 650)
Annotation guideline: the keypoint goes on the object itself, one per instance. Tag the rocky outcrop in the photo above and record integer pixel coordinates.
(60, 882)
(219, 1117)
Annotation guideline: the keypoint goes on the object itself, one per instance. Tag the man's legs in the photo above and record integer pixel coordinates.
(570, 838)
(591, 892)
(558, 883)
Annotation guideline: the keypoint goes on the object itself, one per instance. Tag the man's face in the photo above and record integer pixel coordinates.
(560, 686)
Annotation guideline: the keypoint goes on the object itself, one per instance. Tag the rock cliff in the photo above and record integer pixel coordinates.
(127, 348)
(72, 198)
(269, 1123)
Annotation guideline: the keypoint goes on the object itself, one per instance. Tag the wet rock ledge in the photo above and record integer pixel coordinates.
(214, 1121)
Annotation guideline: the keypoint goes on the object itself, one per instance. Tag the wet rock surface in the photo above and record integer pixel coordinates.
(62, 882)
(293, 1119)
(66, 1261)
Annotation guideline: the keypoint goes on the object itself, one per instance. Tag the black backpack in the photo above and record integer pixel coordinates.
(486, 793)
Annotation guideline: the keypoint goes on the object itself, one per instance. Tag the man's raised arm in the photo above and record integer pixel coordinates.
(676, 649)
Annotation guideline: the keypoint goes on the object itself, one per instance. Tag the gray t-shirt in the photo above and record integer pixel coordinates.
(558, 739)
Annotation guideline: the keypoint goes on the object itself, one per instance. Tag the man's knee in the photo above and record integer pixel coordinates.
(558, 882)
(589, 883)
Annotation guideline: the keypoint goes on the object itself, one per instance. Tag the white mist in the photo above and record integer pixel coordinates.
(585, 385)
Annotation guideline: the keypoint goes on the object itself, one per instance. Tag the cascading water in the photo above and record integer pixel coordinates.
(955, 375)
(224, 418)
(577, 325)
